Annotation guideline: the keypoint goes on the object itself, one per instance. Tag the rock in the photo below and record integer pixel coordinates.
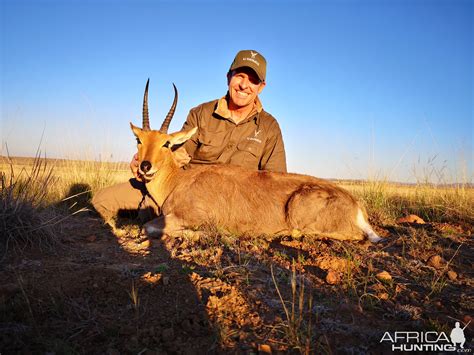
(452, 275)
(412, 219)
(264, 349)
(332, 263)
(384, 276)
(436, 261)
(166, 280)
(332, 277)
(151, 278)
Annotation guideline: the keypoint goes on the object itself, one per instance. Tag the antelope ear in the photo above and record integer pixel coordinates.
(181, 137)
(135, 129)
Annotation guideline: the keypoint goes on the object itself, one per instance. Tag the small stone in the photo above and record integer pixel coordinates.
(264, 349)
(166, 280)
(412, 218)
(436, 261)
(332, 277)
(452, 275)
(384, 276)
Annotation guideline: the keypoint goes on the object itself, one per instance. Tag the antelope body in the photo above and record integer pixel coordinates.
(239, 200)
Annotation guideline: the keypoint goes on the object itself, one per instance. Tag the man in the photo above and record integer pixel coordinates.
(232, 130)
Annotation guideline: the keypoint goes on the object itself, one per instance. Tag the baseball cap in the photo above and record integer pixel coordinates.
(252, 59)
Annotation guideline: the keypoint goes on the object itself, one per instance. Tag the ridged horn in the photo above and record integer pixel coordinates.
(169, 116)
(146, 118)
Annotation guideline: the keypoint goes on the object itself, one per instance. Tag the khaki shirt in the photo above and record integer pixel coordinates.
(254, 143)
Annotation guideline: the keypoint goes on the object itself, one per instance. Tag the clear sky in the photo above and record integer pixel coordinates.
(361, 89)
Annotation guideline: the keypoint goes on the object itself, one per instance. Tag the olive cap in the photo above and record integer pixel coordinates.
(251, 59)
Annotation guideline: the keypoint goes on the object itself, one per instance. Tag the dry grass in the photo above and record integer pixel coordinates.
(69, 177)
(37, 194)
(24, 214)
(387, 201)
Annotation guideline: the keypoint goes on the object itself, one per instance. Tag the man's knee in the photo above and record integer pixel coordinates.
(126, 197)
(102, 203)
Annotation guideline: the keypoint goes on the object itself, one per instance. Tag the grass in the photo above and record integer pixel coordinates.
(386, 201)
(68, 177)
(37, 194)
(25, 215)
(298, 325)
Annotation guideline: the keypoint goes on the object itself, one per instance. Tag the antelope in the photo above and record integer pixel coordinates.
(239, 200)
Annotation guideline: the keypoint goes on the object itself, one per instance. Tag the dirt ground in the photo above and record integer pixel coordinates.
(116, 292)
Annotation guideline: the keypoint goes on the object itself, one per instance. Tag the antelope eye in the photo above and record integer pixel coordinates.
(166, 145)
(138, 141)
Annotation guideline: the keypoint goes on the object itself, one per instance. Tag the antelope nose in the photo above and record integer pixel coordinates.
(145, 166)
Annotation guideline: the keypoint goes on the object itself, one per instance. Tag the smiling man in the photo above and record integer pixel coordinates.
(235, 129)
(232, 130)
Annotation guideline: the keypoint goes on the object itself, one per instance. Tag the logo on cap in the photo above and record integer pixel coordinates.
(253, 54)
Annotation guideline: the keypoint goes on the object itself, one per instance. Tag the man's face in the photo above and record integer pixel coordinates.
(244, 86)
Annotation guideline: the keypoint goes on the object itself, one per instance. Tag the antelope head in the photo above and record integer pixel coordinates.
(155, 148)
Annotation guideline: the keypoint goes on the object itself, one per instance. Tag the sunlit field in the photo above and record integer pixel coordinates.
(73, 284)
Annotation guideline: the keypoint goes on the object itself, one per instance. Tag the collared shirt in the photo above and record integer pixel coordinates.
(255, 142)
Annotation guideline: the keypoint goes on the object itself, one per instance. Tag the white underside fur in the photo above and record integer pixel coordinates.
(366, 228)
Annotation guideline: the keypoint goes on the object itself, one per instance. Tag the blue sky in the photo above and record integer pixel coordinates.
(361, 89)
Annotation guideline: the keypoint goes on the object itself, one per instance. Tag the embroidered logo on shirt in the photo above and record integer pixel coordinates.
(254, 138)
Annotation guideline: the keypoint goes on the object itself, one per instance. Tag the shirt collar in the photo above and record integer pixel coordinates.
(222, 108)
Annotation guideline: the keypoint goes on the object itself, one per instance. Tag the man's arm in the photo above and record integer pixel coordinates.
(274, 157)
(191, 122)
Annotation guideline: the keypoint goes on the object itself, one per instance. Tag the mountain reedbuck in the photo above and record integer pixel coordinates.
(238, 200)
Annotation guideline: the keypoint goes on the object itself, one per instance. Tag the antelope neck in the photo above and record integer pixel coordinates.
(164, 182)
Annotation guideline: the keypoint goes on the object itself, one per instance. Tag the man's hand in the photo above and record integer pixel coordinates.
(181, 156)
(134, 167)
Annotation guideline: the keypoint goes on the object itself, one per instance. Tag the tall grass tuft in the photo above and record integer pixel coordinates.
(26, 218)
(298, 325)
(386, 201)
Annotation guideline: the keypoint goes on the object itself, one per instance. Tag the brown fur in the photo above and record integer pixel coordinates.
(243, 201)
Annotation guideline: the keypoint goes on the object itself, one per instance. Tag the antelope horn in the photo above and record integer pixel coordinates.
(169, 116)
(146, 118)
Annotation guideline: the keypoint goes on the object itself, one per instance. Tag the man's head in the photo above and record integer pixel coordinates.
(246, 77)
(250, 59)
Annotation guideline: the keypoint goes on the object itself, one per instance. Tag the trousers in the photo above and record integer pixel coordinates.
(127, 197)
